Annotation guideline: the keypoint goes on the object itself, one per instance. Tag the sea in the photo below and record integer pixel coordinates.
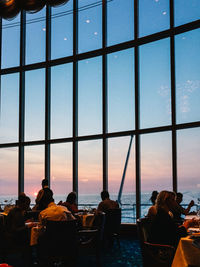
(128, 202)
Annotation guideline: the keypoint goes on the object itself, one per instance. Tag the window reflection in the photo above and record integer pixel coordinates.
(9, 108)
(33, 170)
(155, 88)
(8, 174)
(61, 101)
(90, 167)
(153, 16)
(10, 36)
(156, 165)
(61, 170)
(186, 11)
(121, 91)
(187, 76)
(90, 96)
(62, 31)
(35, 105)
(90, 29)
(35, 30)
(188, 158)
(117, 155)
(115, 26)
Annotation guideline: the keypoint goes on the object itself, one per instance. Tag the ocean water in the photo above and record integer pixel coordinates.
(128, 202)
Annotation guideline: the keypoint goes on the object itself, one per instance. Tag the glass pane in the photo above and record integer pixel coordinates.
(156, 166)
(90, 170)
(61, 170)
(10, 36)
(117, 156)
(33, 170)
(35, 105)
(187, 76)
(188, 158)
(125, 11)
(61, 101)
(62, 31)
(90, 25)
(121, 107)
(35, 36)
(8, 175)
(153, 16)
(155, 92)
(186, 11)
(9, 118)
(90, 96)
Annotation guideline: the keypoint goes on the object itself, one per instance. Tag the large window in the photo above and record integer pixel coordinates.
(101, 95)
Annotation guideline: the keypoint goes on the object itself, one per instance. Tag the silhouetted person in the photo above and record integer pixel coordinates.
(106, 202)
(40, 199)
(153, 197)
(152, 210)
(70, 202)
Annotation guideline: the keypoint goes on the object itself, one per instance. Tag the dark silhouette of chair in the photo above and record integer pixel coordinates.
(153, 255)
(58, 244)
(90, 238)
(13, 252)
(112, 227)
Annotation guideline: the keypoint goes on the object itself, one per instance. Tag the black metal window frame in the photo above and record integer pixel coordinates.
(103, 52)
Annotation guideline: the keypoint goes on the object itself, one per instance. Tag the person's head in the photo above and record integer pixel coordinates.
(179, 197)
(47, 197)
(153, 197)
(166, 200)
(45, 182)
(23, 202)
(162, 199)
(71, 198)
(104, 195)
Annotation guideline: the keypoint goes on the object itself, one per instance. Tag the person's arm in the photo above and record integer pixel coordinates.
(191, 204)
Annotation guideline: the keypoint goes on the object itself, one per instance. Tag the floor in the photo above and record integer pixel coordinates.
(128, 254)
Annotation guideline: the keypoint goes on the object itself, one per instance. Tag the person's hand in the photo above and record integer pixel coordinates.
(191, 204)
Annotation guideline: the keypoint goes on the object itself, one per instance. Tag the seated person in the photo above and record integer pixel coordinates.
(70, 202)
(106, 202)
(152, 210)
(176, 209)
(16, 229)
(41, 195)
(163, 229)
(52, 211)
(179, 198)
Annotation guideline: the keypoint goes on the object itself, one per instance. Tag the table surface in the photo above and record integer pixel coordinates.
(186, 254)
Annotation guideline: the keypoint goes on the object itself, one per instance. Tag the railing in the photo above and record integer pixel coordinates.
(128, 210)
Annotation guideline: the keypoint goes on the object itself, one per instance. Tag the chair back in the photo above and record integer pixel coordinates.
(144, 229)
(60, 240)
(153, 255)
(112, 221)
(99, 223)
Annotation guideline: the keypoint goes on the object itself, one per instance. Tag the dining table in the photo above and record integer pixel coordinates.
(187, 254)
(86, 218)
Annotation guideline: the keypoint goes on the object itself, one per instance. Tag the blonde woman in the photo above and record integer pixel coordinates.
(164, 230)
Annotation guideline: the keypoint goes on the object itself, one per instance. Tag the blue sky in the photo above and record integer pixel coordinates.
(155, 93)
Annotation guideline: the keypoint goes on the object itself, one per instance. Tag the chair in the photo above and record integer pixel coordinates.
(153, 255)
(90, 238)
(58, 244)
(112, 227)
